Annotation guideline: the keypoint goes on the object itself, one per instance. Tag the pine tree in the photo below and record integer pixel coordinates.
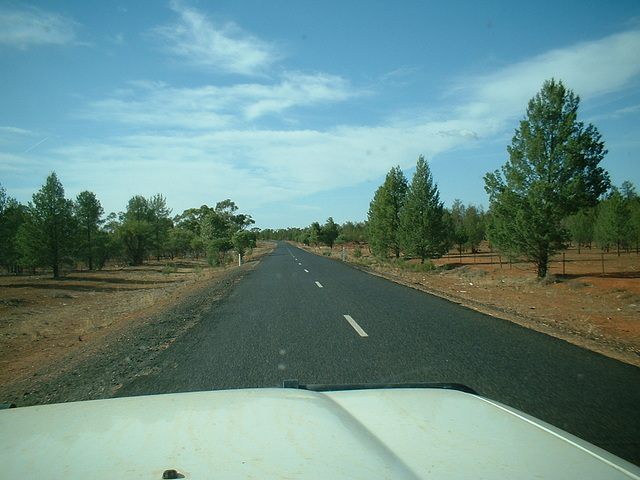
(384, 214)
(88, 213)
(424, 231)
(46, 238)
(552, 173)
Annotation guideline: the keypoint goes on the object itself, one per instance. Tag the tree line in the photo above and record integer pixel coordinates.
(550, 192)
(52, 231)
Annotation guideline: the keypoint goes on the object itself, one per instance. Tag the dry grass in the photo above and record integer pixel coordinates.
(41, 318)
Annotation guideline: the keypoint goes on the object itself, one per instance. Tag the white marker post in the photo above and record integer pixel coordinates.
(239, 259)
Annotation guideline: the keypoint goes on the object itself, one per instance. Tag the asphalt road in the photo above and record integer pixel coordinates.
(290, 318)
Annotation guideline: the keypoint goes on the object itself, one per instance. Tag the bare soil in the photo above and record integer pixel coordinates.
(101, 325)
(595, 303)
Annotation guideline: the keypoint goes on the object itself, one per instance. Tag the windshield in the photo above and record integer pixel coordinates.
(201, 196)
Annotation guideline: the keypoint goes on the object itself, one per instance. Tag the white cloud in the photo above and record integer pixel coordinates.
(15, 131)
(31, 26)
(155, 104)
(201, 145)
(590, 69)
(225, 48)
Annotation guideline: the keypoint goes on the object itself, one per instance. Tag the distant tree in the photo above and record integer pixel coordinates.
(474, 224)
(12, 215)
(217, 251)
(552, 173)
(581, 226)
(46, 238)
(354, 232)
(191, 219)
(161, 223)
(329, 232)
(214, 225)
(634, 219)
(304, 238)
(179, 241)
(384, 214)
(613, 227)
(459, 230)
(88, 212)
(424, 231)
(136, 229)
(244, 240)
(236, 222)
(315, 233)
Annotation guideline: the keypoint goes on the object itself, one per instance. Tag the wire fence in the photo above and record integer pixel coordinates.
(569, 262)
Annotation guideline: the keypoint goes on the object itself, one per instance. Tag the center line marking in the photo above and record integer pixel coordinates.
(355, 326)
(307, 271)
(319, 284)
(299, 264)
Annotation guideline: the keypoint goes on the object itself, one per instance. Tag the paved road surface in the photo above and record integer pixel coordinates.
(297, 315)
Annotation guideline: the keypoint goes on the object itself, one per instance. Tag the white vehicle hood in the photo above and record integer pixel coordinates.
(288, 433)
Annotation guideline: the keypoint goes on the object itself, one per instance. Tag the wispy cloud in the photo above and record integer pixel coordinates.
(213, 107)
(590, 69)
(199, 145)
(26, 25)
(226, 48)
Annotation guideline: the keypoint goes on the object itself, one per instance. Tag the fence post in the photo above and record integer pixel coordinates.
(563, 260)
(602, 260)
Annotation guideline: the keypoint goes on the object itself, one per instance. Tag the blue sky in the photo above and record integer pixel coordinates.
(296, 110)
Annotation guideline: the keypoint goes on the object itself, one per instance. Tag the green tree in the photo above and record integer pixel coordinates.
(243, 240)
(136, 229)
(552, 173)
(12, 215)
(424, 231)
(581, 227)
(460, 237)
(329, 232)
(354, 232)
(88, 212)
(315, 233)
(179, 241)
(161, 223)
(191, 219)
(217, 250)
(235, 222)
(46, 238)
(384, 214)
(474, 224)
(633, 203)
(612, 226)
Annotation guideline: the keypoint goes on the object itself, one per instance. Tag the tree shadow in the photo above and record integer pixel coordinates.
(621, 275)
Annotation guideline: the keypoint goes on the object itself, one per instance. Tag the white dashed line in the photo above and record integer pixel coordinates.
(319, 284)
(355, 326)
(299, 264)
(306, 271)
